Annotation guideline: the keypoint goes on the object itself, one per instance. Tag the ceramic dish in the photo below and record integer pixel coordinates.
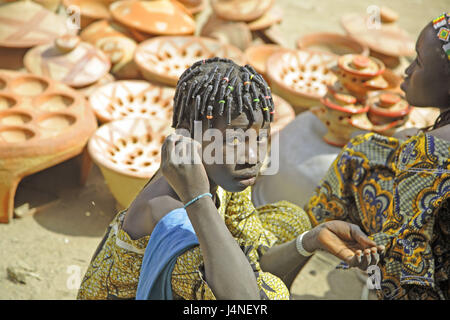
(128, 152)
(257, 56)
(300, 76)
(273, 16)
(133, 99)
(42, 123)
(385, 107)
(240, 10)
(102, 29)
(164, 59)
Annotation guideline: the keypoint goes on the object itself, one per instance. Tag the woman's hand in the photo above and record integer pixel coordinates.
(182, 166)
(344, 240)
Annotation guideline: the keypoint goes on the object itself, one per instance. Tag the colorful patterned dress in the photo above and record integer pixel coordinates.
(114, 270)
(398, 193)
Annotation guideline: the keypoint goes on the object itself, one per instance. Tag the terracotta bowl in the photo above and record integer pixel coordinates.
(300, 76)
(133, 99)
(42, 123)
(156, 17)
(90, 11)
(128, 152)
(335, 43)
(164, 59)
(284, 114)
(257, 56)
(77, 65)
(240, 10)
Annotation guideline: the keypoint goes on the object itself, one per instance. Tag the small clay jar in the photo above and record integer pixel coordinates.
(342, 115)
(386, 107)
(69, 60)
(360, 74)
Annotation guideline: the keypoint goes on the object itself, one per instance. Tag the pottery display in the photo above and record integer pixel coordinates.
(157, 17)
(164, 59)
(128, 152)
(90, 11)
(360, 74)
(386, 107)
(284, 114)
(300, 76)
(42, 123)
(257, 56)
(241, 10)
(133, 99)
(236, 34)
(332, 42)
(386, 40)
(24, 24)
(68, 60)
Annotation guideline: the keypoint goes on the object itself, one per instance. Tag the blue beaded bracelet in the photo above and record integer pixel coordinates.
(198, 197)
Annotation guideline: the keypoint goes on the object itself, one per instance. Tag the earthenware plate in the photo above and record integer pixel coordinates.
(257, 56)
(154, 17)
(241, 10)
(164, 59)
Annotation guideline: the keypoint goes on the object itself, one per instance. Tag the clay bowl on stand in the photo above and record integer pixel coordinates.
(335, 43)
(386, 107)
(24, 24)
(89, 10)
(342, 115)
(284, 114)
(228, 32)
(128, 152)
(300, 76)
(133, 99)
(360, 74)
(241, 10)
(154, 17)
(68, 60)
(164, 59)
(42, 123)
(258, 55)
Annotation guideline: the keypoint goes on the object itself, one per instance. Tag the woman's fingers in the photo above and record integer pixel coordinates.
(360, 237)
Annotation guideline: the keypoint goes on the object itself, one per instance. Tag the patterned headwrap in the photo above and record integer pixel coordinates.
(442, 23)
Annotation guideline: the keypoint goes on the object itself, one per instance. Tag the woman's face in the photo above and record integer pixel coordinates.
(239, 155)
(427, 81)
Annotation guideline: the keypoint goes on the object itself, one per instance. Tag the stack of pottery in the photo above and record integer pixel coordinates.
(128, 152)
(164, 59)
(42, 123)
(24, 24)
(380, 32)
(237, 22)
(67, 59)
(300, 76)
(354, 101)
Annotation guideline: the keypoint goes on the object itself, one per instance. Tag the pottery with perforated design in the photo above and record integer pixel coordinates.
(300, 76)
(164, 59)
(133, 99)
(128, 152)
(42, 123)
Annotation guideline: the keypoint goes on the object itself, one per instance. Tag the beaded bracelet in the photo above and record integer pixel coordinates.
(197, 198)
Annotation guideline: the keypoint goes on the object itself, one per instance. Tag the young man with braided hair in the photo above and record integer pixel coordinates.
(239, 252)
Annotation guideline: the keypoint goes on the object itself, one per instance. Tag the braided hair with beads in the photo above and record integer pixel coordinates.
(217, 86)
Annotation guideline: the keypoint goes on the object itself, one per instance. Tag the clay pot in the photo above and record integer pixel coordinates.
(68, 60)
(154, 17)
(128, 152)
(42, 123)
(133, 99)
(360, 74)
(164, 59)
(257, 56)
(386, 40)
(335, 43)
(386, 107)
(24, 24)
(240, 10)
(300, 76)
(90, 11)
(233, 33)
(273, 16)
(284, 114)
(342, 115)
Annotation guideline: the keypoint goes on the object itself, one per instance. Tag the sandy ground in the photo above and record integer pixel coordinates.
(53, 247)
